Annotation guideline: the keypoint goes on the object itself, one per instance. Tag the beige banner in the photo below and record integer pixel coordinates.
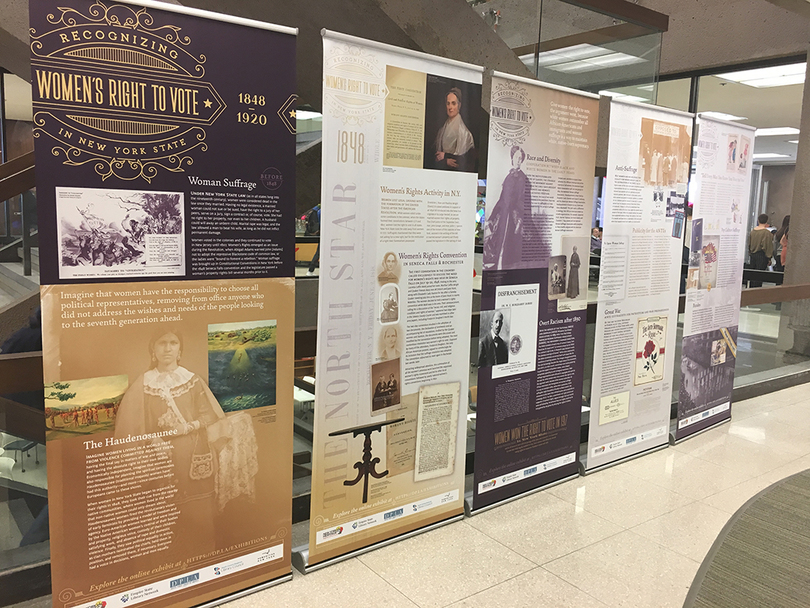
(169, 418)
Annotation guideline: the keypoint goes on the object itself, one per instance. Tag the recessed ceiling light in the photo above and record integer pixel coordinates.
(774, 76)
(776, 131)
(793, 141)
(722, 116)
(767, 155)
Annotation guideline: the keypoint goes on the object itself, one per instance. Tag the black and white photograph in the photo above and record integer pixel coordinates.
(389, 303)
(385, 383)
(557, 277)
(675, 203)
(578, 257)
(106, 233)
(493, 339)
(707, 371)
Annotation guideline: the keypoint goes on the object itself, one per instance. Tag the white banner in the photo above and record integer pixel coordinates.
(637, 314)
(400, 156)
(717, 238)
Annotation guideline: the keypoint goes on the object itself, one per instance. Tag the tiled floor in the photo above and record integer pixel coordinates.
(633, 535)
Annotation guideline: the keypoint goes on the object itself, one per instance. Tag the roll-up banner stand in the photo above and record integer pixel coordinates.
(165, 155)
(717, 239)
(400, 157)
(534, 295)
(637, 311)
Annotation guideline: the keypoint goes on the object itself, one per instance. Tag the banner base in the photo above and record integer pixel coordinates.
(254, 589)
(468, 497)
(585, 471)
(674, 441)
(300, 555)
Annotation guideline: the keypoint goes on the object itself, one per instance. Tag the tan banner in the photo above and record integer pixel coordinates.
(169, 415)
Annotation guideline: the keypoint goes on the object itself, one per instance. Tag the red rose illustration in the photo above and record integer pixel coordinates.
(649, 347)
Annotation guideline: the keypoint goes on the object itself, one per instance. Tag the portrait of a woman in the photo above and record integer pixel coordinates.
(390, 269)
(503, 230)
(169, 397)
(454, 145)
(572, 290)
(390, 342)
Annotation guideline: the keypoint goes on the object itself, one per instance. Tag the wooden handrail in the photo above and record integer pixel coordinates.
(779, 293)
(20, 372)
(15, 165)
(17, 176)
(23, 372)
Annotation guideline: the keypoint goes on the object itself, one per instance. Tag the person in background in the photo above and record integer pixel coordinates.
(27, 339)
(596, 239)
(313, 228)
(760, 247)
(780, 248)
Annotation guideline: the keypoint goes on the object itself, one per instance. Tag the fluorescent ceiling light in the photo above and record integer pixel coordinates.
(571, 53)
(776, 131)
(777, 81)
(767, 155)
(793, 141)
(307, 115)
(623, 96)
(774, 76)
(723, 116)
(596, 63)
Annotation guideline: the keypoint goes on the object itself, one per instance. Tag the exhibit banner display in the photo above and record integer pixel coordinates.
(717, 248)
(400, 150)
(637, 313)
(534, 294)
(165, 154)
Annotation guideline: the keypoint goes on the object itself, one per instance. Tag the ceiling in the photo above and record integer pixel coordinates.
(778, 106)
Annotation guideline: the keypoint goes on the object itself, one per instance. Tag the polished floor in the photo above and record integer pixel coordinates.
(632, 535)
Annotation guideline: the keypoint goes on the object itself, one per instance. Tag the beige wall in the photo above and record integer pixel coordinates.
(780, 190)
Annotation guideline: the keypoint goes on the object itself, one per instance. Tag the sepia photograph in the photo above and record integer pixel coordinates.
(120, 233)
(388, 270)
(390, 342)
(664, 153)
(557, 277)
